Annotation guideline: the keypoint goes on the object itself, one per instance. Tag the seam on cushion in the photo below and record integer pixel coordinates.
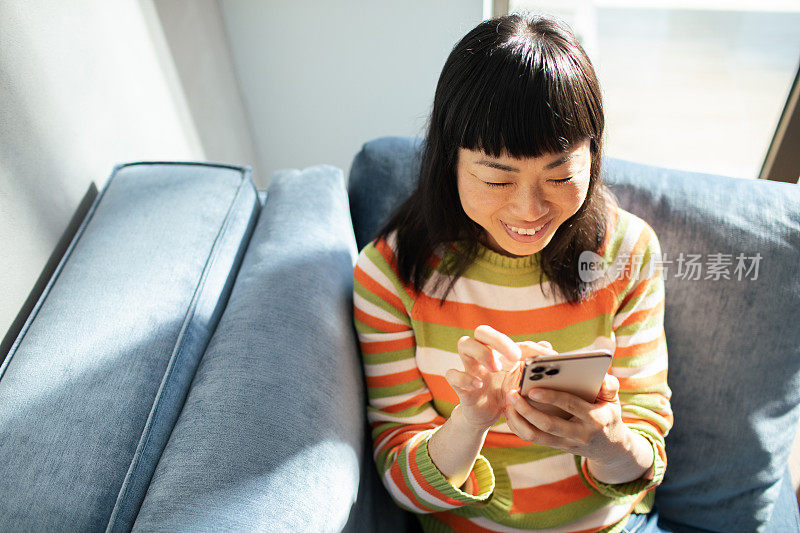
(177, 353)
(46, 292)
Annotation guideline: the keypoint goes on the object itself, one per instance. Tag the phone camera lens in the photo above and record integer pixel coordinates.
(538, 369)
(536, 377)
(552, 372)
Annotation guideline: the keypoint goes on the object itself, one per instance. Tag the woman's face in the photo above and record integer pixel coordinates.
(510, 198)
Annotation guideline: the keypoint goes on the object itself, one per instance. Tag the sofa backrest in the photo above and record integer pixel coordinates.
(93, 384)
(732, 334)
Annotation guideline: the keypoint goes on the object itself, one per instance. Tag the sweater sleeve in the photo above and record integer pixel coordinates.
(640, 360)
(400, 410)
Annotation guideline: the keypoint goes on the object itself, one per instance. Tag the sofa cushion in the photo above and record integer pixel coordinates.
(92, 385)
(270, 437)
(734, 345)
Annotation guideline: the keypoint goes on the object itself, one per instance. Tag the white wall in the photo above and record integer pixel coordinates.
(88, 84)
(82, 87)
(319, 78)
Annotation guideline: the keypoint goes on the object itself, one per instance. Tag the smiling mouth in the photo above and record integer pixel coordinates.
(525, 235)
(523, 231)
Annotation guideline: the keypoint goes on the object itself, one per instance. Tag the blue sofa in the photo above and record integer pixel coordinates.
(191, 365)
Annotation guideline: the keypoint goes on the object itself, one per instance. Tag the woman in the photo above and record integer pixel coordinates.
(479, 270)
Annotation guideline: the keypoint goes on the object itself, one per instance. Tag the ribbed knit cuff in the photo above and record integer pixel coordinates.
(625, 489)
(483, 480)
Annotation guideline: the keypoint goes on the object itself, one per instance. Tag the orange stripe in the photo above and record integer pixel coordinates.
(378, 323)
(643, 383)
(638, 250)
(388, 346)
(440, 388)
(424, 484)
(400, 438)
(643, 314)
(377, 289)
(387, 253)
(527, 322)
(611, 224)
(636, 349)
(414, 401)
(549, 496)
(390, 380)
(397, 477)
(496, 439)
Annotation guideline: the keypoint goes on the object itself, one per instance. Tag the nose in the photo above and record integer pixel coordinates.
(531, 205)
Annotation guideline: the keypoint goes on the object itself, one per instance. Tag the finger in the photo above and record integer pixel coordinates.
(535, 349)
(467, 395)
(609, 391)
(512, 379)
(525, 430)
(479, 360)
(462, 380)
(498, 341)
(549, 424)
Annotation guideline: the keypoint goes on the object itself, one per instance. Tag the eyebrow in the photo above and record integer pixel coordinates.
(557, 163)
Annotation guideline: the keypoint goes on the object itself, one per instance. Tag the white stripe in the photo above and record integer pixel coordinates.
(383, 337)
(640, 337)
(420, 492)
(380, 403)
(542, 472)
(373, 310)
(397, 493)
(648, 302)
(470, 291)
(392, 367)
(435, 361)
(372, 270)
(650, 369)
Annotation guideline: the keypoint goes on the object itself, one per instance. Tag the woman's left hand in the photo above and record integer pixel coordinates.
(595, 430)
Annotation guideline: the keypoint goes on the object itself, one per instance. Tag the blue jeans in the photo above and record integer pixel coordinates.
(644, 523)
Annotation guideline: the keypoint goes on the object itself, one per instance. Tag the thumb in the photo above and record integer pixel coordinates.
(609, 391)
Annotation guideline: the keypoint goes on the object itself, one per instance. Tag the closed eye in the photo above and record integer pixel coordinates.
(496, 184)
(565, 180)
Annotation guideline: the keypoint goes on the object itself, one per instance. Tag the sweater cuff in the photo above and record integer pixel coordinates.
(482, 475)
(631, 487)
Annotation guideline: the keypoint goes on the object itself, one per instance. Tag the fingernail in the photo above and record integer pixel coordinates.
(535, 395)
(476, 383)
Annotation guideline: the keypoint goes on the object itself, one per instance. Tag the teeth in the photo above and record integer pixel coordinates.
(522, 231)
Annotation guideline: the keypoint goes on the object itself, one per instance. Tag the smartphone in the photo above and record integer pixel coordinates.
(580, 373)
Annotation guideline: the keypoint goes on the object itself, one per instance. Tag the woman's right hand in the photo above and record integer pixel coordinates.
(492, 366)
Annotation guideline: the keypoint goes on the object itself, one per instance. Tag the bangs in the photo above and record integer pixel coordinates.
(527, 97)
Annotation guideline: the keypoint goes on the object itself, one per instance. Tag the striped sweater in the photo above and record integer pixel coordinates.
(408, 342)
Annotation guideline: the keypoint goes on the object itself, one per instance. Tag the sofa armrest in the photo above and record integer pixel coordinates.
(271, 434)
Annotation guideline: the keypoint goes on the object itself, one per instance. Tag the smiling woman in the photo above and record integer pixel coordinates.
(479, 270)
(520, 203)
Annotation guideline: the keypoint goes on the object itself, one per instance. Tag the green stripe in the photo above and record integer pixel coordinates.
(641, 359)
(402, 462)
(515, 456)
(388, 357)
(396, 390)
(619, 231)
(572, 337)
(655, 284)
(377, 259)
(651, 321)
(503, 278)
(379, 302)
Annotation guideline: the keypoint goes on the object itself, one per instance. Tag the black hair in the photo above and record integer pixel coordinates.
(519, 84)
